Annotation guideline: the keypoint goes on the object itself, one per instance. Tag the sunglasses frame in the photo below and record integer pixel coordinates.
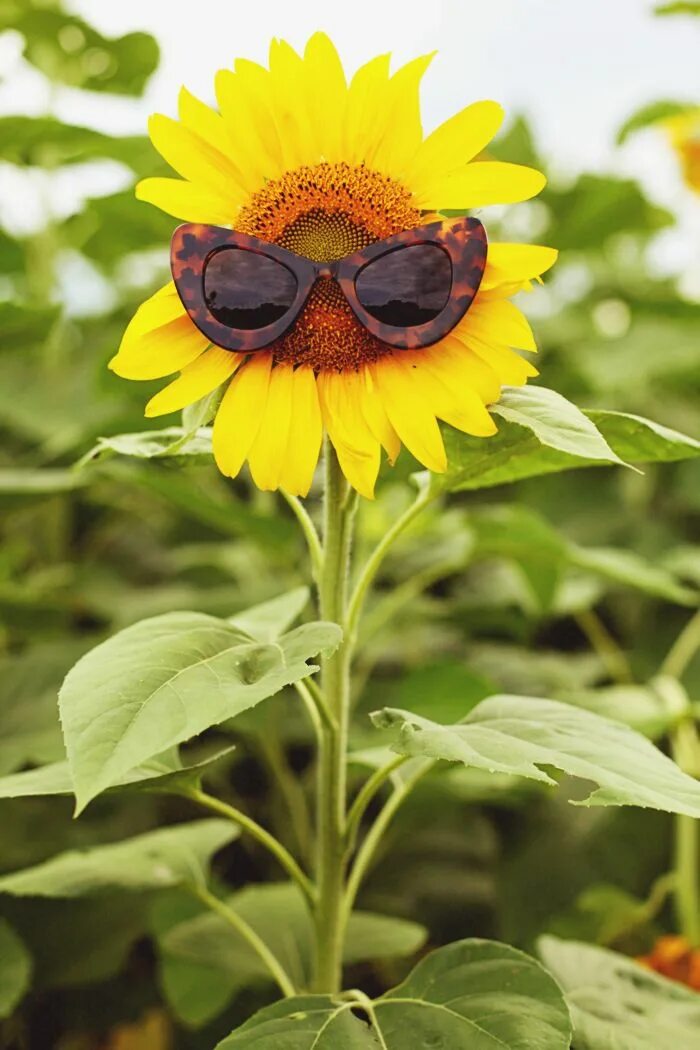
(463, 239)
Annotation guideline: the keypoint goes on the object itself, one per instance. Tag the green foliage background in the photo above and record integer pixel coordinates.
(570, 586)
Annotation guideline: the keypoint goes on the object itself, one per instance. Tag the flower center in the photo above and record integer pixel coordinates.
(326, 212)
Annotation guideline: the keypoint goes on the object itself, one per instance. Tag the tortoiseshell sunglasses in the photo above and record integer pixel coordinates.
(409, 290)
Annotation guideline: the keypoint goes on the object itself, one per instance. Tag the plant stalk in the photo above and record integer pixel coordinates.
(332, 764)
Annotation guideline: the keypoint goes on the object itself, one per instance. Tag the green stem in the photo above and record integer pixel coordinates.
(685, 747)
(365, 795)
(683, 649)
(605, 646)
(332, 764)
(686, 752)
(309, 530)
(366, 852)
(376, 558)
(246, 931)
(256, 831)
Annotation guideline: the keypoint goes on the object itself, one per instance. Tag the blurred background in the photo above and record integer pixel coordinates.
(571, 586)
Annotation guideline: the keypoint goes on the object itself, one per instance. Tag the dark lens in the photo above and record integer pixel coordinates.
(247, 291)
(406, 287)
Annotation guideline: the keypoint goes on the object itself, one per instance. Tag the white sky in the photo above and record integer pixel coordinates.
(576, 69)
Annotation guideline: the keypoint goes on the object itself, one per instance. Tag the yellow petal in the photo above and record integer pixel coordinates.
(162, 307)
(246, 104)
(194, 158)
(160, 352)
(240, 414)
(326, 95)
(402, 133)
(410, 416)
(267, 452)
(358, 450)
(458, 406)
(195, 381)
(479, 184)
(515, 263)
(186, 201)
(466, 368)
(305, 435)
(499, 322)
(456, 141)
(291, 115)
(509, 366)
(376, 418)
(365, 108)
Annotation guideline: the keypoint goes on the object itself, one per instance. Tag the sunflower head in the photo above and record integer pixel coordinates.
(298, 157)
(684, 133)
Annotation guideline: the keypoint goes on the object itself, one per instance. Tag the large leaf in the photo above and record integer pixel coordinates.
(277, 912)
(68, 50)
(108, 228)
(29, 729)
(47, 142)
(597, 208)
(267, 621)
(519, 534)
(543, 433)
(476, 994)
(153, 444)
(521, 734)
(15, 969)
(617, 1004)
(651, 114)
(167, 857)
(26, 326)
(164, 773)
(163, 681)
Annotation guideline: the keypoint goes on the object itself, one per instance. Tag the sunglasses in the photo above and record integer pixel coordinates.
(408, 291)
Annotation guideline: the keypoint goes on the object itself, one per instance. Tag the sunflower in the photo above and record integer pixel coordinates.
(684, 133)
(299, 157)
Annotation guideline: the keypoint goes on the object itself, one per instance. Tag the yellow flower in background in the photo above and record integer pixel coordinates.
(301, 158)
(684, 132)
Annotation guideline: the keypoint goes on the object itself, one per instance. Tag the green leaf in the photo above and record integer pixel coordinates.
(108, 228)
(164, 773)
(47, 142)
(679, 7)
(165, 680)
(639, 440)
(628, 568)
(476, 994)
(278, 913)
(639, 706)
(544, 434)
(521, 734)
(651, 114)
(21, 485)
(167, 857)
(29, 729)
(15, 969)
(25, 326)
(267, 621)
(597, 208)
(68, 50)
(618, 1005)
(153, 444)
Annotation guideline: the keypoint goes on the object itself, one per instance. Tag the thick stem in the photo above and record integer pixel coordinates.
(332, 786)
(686, 752)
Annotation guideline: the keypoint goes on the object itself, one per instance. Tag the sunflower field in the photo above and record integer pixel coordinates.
(349, 568)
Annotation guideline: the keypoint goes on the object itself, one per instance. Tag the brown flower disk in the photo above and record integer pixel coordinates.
(326, 212)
